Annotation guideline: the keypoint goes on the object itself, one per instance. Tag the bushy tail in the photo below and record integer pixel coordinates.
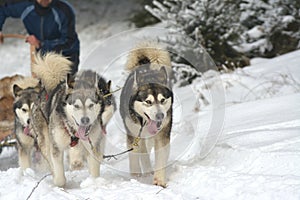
(148, 52)
(51, 69)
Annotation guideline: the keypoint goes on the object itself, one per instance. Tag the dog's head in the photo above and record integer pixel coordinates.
(152, 97)
(24, 101)
(153, 102)
(84, 103)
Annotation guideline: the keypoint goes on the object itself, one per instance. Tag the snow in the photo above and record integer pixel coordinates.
(288, 19)
(244, 144)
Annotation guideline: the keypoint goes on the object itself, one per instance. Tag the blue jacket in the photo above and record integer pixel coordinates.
(53, 26)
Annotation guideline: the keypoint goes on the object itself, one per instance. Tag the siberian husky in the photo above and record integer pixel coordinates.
(76, 155)
(26, 92)
(146, 109)
(73, 111)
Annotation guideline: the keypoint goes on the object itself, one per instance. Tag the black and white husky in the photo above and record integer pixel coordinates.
(75, 112)
(26, 92)
(146, 109)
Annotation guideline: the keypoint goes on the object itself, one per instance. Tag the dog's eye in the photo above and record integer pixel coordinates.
(148, 102)
(163, 101)
(24, 110)
(91, 105)
(76, 106)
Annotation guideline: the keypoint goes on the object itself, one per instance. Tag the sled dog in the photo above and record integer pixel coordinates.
(76, 154)
(105, 89)
(72, 110)
(7, 116)
(25, 92)
(146, 109)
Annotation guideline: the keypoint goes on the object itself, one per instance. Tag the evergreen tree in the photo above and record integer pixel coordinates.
(212, 24)
(231, 31)
(272, 27)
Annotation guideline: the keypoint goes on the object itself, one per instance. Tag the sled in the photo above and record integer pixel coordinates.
(7, 115)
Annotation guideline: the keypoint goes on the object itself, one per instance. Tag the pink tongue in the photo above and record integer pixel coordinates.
(26, 130)
(104, 130)
(152, 128)
(81, 133)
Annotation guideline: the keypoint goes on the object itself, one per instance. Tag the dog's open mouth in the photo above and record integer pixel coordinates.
(83, 132)
(26, 130)
(153, 126)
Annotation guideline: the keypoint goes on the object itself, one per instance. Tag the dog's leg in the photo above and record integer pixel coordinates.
(57, 156)
(145, 158)
(134, 156)
(162, 150)
(24, 157)
(44, 142)
(76, 157)
(94, 165)
(94, 159)
(25, 146)
(107, 114)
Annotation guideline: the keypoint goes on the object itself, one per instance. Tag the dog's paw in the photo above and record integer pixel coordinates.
(159, 182)
(76, 165)
(59, 181)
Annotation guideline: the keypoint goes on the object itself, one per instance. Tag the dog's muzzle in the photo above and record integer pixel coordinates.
(83, 128)
(154, 126)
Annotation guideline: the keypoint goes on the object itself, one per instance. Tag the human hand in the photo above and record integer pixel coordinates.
(31, 39)
(1, 38)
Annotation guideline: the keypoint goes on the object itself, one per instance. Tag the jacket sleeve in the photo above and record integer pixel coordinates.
(68, 34)
(11, 10)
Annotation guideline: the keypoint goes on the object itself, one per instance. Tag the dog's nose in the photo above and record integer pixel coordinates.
(85, 120)
(28, 121)
(159, 116)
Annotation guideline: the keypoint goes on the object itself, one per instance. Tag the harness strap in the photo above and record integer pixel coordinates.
(138, 138)
(135, 145)
(74, 139)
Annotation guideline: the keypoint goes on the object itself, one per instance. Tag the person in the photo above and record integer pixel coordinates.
(50, 25)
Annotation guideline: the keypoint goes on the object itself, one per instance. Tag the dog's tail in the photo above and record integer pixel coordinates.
(51, 69)
(148, 53)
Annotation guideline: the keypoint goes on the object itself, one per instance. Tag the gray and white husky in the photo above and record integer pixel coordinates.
(73, 111)
(26, 92)
(146, 109)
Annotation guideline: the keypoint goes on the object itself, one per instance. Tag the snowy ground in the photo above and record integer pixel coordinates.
(255, 117)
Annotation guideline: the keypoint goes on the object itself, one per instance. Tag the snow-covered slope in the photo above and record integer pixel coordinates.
(256, 156)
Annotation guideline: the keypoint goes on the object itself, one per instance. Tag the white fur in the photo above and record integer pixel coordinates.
(23, 114)
(78, 110)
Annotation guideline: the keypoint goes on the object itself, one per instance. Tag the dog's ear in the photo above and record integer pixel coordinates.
(16, 90)
(163, 76)
(70, 81)
(38, 87)
(108, 85)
